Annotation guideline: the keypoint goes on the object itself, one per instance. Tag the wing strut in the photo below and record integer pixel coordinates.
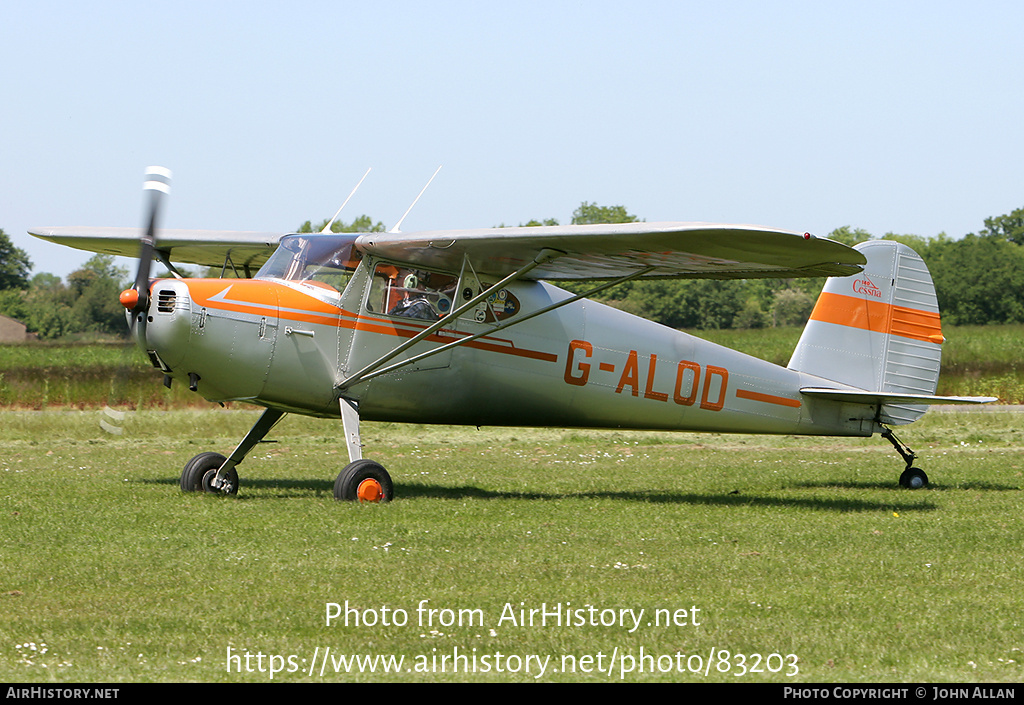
(229, 261)
(165, 261)
(542, 257)
(365, 374)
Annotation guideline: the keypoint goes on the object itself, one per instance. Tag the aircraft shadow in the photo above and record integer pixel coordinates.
(667, 497)
(286, 488)
(908, 502)
(932, 487)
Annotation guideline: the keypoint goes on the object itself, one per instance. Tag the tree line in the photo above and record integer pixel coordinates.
(979, 279)
(84, 303)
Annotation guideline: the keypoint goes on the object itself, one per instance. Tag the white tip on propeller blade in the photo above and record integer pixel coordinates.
(158, 178)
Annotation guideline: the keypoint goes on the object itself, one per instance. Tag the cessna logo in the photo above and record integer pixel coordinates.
(864, 286)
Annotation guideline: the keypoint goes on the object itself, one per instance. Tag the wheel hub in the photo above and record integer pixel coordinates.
(211, 485)
(369, 490)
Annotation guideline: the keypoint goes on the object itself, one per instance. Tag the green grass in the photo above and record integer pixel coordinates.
(84, 375)
(786, 545)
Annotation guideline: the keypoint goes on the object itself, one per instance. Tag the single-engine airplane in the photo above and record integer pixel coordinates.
(463, 327)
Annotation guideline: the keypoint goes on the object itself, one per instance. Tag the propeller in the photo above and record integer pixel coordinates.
(136, 299)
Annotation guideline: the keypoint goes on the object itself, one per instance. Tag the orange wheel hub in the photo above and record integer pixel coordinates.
(369, 490)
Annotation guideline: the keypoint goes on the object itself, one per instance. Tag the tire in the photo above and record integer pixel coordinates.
(913, 479)
(364, 481)
(201, 470)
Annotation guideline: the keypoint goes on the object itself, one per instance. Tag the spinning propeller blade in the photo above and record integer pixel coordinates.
(136, 299)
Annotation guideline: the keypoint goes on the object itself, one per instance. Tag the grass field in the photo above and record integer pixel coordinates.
(781, 559)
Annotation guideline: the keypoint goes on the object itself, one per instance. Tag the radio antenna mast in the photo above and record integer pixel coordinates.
(402, 219)
(327, 228)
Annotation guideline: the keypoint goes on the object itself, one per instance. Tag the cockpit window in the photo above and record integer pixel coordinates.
(319, 260)
(411, 293)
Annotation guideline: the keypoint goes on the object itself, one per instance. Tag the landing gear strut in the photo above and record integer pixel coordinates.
(361, 480)
(212, 472)
(912, 478)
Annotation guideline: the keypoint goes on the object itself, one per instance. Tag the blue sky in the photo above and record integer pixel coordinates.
(890, 116)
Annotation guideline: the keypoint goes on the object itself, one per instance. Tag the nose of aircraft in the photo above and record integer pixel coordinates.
(135, 313)
(169, 322)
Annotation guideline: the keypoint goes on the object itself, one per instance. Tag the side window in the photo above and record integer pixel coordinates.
(410, 293)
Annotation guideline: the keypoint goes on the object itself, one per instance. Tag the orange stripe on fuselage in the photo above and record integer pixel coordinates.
(878, 316)
(264, 297)
(768, 398)
(445, 335)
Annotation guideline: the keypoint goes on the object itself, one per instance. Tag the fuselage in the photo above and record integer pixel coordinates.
(290, 344)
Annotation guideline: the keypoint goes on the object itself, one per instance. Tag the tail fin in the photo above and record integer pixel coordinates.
(877, 331)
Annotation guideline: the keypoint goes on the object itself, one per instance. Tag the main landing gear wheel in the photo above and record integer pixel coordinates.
(913, 479)
(199, 473)
(364, 481)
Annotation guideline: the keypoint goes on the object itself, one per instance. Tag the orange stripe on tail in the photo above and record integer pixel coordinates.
(878, 316)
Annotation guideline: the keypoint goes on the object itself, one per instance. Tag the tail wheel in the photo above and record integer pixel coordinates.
(913, 479)
(364, 481)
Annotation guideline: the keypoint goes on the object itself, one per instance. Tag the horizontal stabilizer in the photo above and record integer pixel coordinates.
(857, 396)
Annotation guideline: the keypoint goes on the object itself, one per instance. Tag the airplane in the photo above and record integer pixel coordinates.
(465, 327)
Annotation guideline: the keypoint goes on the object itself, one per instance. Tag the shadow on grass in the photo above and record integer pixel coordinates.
(932, 487)
(664, 497)
(908, 502)
(286, 488)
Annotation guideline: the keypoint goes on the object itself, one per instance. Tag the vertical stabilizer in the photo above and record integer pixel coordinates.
(878, 330)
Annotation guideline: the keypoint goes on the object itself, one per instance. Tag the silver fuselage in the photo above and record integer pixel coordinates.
(289, 345)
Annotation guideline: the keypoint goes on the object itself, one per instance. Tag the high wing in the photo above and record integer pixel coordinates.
(696, 250)
(209, 248)
(690, 250)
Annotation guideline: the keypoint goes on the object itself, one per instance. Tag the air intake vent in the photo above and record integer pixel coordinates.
(165, 301)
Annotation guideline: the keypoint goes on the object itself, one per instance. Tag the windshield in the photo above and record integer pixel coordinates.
(321, 259)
